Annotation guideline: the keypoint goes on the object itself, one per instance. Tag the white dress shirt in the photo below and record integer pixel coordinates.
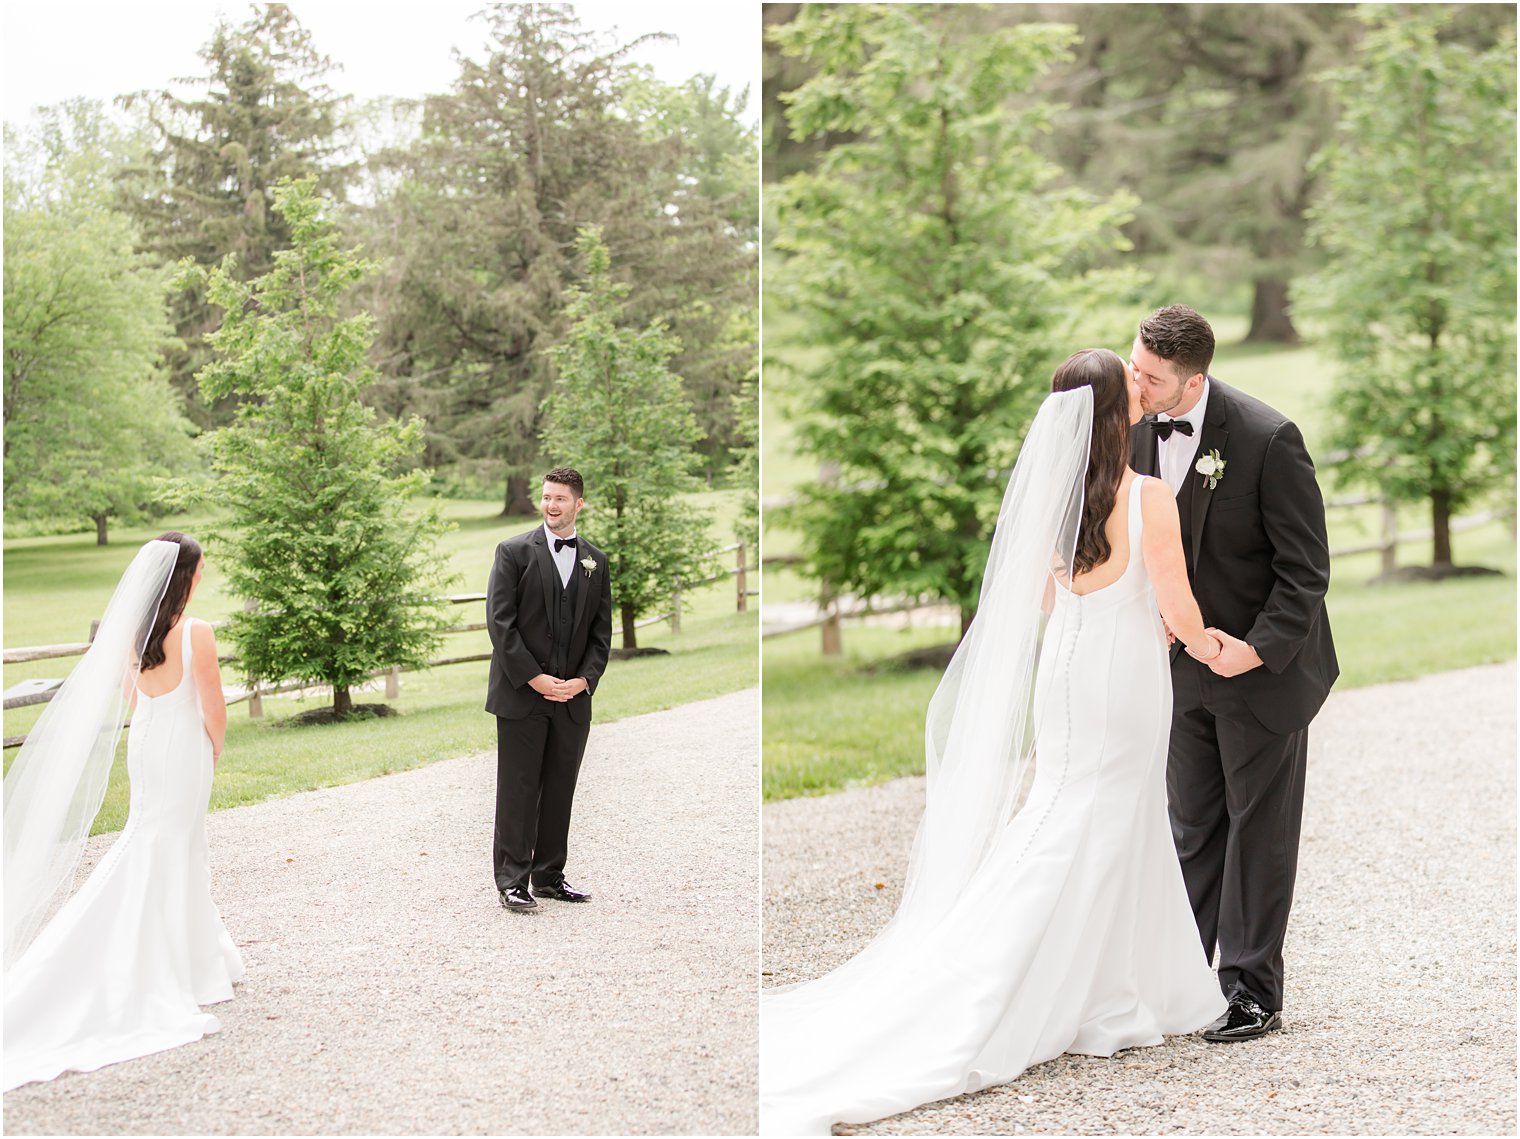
(564, 559)
(1174, 455)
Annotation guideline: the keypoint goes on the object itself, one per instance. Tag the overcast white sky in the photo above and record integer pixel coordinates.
(59, 49)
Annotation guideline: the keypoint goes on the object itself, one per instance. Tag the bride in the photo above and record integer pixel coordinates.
(1044, 909)
(122, 969)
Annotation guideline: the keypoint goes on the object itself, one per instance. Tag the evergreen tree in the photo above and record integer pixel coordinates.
(709, 291)
(938, 274)
(746, 472)
(620, 416)
(91, 423)
(529, 146)
(1210, 113)
(1417, 296)
(783, 153)
(266, 114)
(319, 534)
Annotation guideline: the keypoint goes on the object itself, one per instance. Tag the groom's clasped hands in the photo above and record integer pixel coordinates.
(558, 691)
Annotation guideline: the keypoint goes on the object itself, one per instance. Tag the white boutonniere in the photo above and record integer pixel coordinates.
(588, 564)
(1211, 467)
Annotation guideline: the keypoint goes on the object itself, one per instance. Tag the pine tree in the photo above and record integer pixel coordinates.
(478, 226)
(266, 114)
(620, 416)
(319, 533)
(937, 273)
(1417, 296)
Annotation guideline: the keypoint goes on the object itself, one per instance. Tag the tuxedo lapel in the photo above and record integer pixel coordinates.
(585, 589)
(547, 571)
(1214, 437)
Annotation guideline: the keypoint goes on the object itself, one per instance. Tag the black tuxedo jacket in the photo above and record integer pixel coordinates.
(520, 597)
(1257, 556)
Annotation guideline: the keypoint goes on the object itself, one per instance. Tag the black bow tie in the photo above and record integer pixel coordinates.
(1165, 427)
(561, 543)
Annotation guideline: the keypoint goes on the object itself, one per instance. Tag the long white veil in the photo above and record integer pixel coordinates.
(979, 737)
(56, 783)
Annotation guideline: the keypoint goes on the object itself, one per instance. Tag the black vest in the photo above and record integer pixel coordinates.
(562, 622)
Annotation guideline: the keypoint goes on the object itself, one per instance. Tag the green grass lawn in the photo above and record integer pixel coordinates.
(54, 586)
(833, 723)
(846, 721)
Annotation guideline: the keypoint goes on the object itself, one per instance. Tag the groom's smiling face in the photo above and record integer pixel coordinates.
(560, 506)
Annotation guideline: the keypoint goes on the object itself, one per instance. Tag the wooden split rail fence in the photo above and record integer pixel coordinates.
(236, 693)
(834, 609)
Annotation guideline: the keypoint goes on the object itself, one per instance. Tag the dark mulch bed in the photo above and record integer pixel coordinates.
(1434, 573)
(328, 716)
(936, 657)
(629, 654)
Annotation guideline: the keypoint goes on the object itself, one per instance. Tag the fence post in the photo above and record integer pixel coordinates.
(739, 574)
(255, 704)
(832, 645)
(392, 682)
(675, 608)
(1390, 537)
(94, 628)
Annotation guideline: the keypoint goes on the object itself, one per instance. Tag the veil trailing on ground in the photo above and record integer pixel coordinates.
(979, 732)
(55, 786)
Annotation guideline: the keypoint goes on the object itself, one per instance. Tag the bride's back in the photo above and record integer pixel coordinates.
(166, 677)
(1116, 530)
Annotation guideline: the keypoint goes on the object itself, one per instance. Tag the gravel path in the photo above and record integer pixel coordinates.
(389, 993)
(1400, 1014)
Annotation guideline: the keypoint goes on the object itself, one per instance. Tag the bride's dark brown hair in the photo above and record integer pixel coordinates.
(176, 594)
(1103, 371)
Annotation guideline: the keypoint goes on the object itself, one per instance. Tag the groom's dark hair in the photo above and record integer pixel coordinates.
(1180, 337)
(570, 477)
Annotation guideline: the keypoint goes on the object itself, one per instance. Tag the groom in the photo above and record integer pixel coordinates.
(1253, 533)
(549, 615)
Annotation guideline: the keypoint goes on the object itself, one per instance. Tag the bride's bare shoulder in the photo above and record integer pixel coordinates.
(1156, 500)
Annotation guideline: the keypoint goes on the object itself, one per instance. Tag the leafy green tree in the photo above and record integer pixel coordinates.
(1209, 112)
(1417, 296)
(479, 222)
(782, 153)
(746, 472)
(938, 273)
(620, 416)
(319, 530)
(717, 147)
(709, 293)
(91, 423)
(266, 113)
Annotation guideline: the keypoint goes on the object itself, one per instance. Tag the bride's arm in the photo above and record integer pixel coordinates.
(1162, 549)
(208, 681)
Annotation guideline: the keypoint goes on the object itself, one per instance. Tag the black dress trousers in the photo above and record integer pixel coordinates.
(538, 759)
(1235, 792)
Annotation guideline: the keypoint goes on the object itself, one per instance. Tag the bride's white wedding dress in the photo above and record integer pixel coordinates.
(124, 967)
(1074, 933)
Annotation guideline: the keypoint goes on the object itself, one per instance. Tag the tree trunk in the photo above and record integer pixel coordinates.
(343, 703)
(967, 613)
(100, 529)
(1270, 322)
(630, 637)
(518, 501)
(1440, 523)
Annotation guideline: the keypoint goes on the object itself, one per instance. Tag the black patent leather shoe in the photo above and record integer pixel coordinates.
(1245, 1019)
(518, 899)
(561, 893)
